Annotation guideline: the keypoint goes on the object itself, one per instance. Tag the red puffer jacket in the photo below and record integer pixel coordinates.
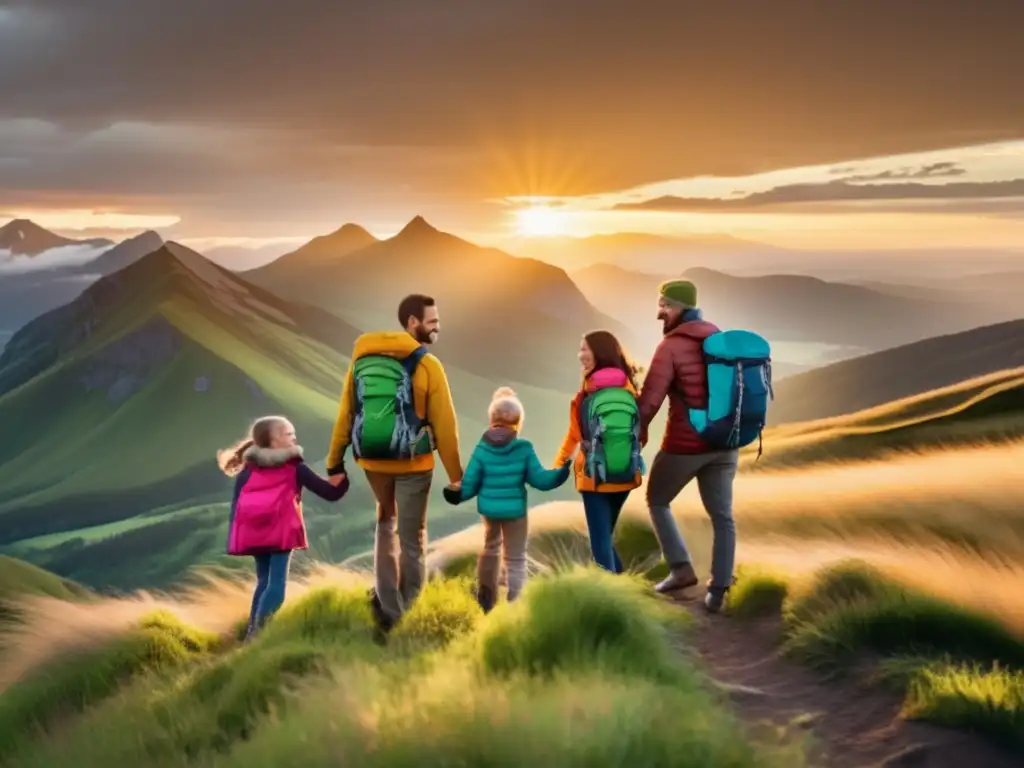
(678, 371)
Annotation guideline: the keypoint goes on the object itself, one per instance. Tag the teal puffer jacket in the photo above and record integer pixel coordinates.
(501, 467)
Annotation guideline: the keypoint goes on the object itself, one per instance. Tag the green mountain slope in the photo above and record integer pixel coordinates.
(898, 373)
(116, 403)
(988, 409)
(20, 578)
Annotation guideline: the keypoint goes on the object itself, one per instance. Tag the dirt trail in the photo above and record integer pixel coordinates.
(852, 726)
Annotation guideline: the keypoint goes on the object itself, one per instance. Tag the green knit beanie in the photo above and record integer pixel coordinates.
(680, 291)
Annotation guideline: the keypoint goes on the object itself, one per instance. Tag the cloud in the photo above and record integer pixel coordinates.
(195, 104)
(55, 258)
(930, 171)
(838, 191)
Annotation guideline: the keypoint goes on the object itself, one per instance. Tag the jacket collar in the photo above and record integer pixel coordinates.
(272, 457)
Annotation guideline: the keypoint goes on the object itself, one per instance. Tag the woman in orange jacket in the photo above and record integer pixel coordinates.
(609, 468)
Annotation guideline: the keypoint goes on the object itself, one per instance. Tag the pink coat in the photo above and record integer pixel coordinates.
(267, 515)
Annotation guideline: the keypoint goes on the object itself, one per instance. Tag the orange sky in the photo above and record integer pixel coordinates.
(252, 123)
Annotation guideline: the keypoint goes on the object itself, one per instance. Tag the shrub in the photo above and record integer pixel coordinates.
(850, 609)
(324, 615)
(757, 593)
(449, 718)
(971, 697)
(584, 620)
(444, 611)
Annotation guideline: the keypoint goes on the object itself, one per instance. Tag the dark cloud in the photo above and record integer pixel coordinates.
(542, 97)
(838, 191)
(930, 171)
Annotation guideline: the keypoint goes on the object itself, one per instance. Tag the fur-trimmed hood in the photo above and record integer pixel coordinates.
(272, 457)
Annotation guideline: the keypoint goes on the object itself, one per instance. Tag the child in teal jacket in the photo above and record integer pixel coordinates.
(501, 467)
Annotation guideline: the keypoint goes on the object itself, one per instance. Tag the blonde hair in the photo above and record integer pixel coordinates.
(232, 460)
(505, 408)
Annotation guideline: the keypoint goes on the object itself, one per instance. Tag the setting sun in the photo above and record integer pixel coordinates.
(540, 221)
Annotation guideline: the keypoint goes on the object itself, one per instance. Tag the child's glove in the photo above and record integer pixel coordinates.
(452, 495)
(563, 473)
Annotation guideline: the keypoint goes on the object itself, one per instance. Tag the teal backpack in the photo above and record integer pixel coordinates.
(739, 367)
(610, 426)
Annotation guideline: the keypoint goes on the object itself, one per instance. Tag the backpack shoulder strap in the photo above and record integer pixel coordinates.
(413, 360)
(582, 406)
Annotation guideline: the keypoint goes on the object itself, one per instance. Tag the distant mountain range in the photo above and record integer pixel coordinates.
(502, 317)
(655, 254)
(145, 359)
(25, 295)
(893, 374)
(672, 254)
(797, 308)
(21, 237)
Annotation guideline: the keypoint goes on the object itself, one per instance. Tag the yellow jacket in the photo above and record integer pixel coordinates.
(432, 399)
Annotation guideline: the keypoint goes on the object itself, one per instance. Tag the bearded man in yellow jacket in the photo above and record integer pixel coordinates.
(396, 410)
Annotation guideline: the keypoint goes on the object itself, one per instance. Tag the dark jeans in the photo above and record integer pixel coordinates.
(602, 510)
(271, 579)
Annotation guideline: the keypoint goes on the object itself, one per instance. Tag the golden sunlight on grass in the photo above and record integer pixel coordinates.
(948, 521)
(53, 627)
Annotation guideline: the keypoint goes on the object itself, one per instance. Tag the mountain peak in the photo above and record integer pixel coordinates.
(22, 228)
(23, 237)
(350, 228)
(14, 223)
(349, 237)
(417, 227)
(126, 252)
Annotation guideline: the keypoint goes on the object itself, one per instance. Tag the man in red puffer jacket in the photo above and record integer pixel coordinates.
(679, 372)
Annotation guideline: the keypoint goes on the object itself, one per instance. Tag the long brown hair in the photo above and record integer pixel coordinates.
(609, 353)
(232, 460)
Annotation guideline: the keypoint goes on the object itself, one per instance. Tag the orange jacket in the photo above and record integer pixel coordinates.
(571, 443)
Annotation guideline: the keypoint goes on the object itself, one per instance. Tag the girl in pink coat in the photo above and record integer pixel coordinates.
(266, 508)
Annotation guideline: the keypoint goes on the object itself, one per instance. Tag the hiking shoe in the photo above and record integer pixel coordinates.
(384, 622)
(715, 598)
(681, 577)
(485, 596)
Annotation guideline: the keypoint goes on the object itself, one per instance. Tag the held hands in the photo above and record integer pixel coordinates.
(337, 480)
(453, 493)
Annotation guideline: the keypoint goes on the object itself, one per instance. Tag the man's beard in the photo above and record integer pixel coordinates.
(669, 323)
(423, 336)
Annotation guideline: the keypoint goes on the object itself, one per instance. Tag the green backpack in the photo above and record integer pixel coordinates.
(386, 425)
(610, 426)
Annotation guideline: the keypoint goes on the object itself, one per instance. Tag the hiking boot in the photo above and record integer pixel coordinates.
(715, 598)
(384, 623)
(485, 596)
(680, 577)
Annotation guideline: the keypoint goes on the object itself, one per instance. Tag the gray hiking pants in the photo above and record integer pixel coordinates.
(715, 473)
(400, 571)
(503, 539)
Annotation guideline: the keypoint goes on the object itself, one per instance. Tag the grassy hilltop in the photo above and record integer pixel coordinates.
(871, 581)
(587, 669)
